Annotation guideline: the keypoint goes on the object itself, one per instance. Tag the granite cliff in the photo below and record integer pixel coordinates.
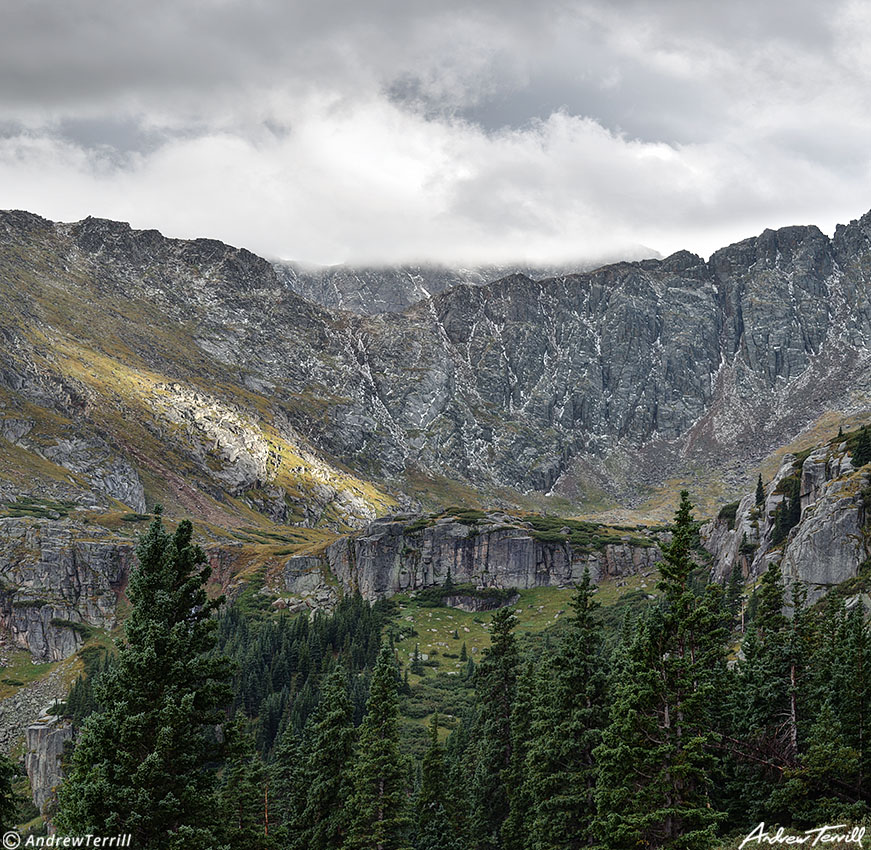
(497, 550)
(130, 360)
(813, 521)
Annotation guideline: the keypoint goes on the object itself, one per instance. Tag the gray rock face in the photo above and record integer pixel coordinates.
(388, 289)
(830, 541)
(624, 374)
(54, 578)
(45, 748)
(389, 557)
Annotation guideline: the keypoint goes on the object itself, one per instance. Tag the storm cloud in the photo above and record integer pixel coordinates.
(386, 131)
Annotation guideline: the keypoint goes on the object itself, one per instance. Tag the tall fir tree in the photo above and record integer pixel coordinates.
(8, 805)
(243, 795)
(380, 803)
(495, 683)
(657, 761)
(570, 711)
(735, 593)
(328, 766)
(516, 829)
(144, 762)
(434, 817)
(760, 491)
(287, 790)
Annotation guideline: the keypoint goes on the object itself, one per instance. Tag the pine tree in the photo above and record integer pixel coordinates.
(569, 714)
(8, 806)
(495, 681)
(243, 794)
(760, 491)
(464, 653)
(516, 829)
(416, 665)
(765, 713)
(380, 801)
(434, 825)
(325, 818)
(862, 448)
(142, 762)
(735, 593)
(656, 757)
(287, 790)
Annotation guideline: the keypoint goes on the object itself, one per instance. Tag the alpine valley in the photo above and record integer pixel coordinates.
(457, 440)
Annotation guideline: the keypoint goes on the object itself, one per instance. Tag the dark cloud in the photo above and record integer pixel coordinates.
(388, 130)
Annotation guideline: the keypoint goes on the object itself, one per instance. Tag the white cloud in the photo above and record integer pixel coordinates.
(390, 131)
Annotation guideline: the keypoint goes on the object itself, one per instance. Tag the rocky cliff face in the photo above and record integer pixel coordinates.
(369, 290)
(622, 376)
(58, 578)
(394, 556)
(46, 740)
(831, 539)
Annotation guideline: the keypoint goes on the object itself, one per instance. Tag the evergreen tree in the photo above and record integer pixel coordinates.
(516, 829)
(325, 818)
(656, 757)
(760, 491)
(765, 724)
(862, 448)
(434, 821)
(143, 762)
(8, 805)
(287, 790)
(735, 593)
(416, 665)
(243, 794)
(495, 681)
(464, 653)
(380, 801)
(569, 714)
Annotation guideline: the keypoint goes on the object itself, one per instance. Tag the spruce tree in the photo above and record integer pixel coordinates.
(144, 761)
(381, 820)
(329, 749)
(735, 593)
(434, 824)
(516, 829)
(8, 806)
(495, 682)
(243, 794)
(760, 491)
(569, 713)
(656, 759)
(287, 790)
(861, 453)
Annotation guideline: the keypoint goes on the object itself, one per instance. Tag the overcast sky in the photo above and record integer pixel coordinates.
(393, 130)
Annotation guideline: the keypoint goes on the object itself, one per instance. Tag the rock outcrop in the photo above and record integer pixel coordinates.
(395, 556)
(827, 545)
(46, 740)
(57, 577)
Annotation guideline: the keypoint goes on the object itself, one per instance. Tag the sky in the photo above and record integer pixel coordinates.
(436, 130)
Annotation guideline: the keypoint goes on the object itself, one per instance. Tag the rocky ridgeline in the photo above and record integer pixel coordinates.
(495, 550)
(388, 289)
(831, 538)
(620, 377)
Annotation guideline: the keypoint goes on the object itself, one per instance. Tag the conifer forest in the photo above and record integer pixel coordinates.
(684, 725)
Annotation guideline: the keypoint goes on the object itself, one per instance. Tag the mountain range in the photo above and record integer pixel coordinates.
(138, 368)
